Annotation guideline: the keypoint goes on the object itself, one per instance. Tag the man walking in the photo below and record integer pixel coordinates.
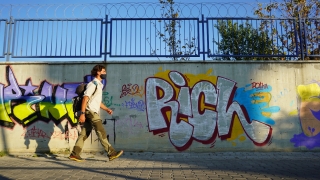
(90, 118)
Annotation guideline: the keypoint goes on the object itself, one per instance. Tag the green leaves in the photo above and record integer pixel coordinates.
(243, 40)
(173, 27)
(300, 10)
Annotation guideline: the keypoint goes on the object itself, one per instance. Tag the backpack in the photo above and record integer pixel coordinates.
(77, 100)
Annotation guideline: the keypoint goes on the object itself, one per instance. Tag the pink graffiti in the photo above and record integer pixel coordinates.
(35, 133)
(259, 85)
(62, 136)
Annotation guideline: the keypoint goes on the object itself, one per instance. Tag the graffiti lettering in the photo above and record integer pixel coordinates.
(259, 85)
(107, 100)
(51, 102)
(63, 136)
(35, 133)
(198, 113)
(139, 106)
(281, 94)
(133, 90)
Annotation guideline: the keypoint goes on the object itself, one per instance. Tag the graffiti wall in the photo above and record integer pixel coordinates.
(165, 107)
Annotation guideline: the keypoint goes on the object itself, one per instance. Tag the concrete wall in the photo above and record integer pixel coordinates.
(166, 106)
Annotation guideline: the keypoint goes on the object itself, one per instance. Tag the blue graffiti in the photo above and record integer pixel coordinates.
(303, 140)
(139, 106)
(245, 98)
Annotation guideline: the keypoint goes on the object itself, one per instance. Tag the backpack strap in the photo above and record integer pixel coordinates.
(95, 83)
(95, 90)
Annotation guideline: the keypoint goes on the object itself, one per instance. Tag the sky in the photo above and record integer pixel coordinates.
(57, 11)
(123, 8)
(113, 1)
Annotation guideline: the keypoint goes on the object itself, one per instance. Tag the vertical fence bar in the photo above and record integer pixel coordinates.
(155, 33)
(296, 36)
(15, 36)
(85, 40)
(131, 29)
(111, 37)
(52, 37)
(120, 49)
(4, 38)
(141, 36)
(305, 36)
(95, 38)
(203, 44)
(32, 31)
(22, 35)
(208, 51)
(56, 49)
(27, 39)
(38, 38)
(75, 44)
(80, 49)
(90, 39)
(301, 39)
(105, 38)
(281, 30)
(47, 35)
(71, 34)
(9, 39)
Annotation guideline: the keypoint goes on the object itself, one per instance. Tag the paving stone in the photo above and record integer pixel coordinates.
(275, 166)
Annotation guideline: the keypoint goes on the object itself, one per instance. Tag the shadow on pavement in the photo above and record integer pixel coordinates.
(250, 164)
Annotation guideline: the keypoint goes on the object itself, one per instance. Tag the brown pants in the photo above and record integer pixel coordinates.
(93, 120)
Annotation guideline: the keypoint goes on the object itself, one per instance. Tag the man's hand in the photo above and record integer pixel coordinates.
(82, 118)
(109, 111)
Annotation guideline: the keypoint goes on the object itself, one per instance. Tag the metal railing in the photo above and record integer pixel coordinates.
(148, 37)
(57, 38)
(105, 34)
(252, 37)
(311, 32)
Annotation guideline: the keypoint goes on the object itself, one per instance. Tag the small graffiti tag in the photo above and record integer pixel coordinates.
(133, 90)
(139, 106)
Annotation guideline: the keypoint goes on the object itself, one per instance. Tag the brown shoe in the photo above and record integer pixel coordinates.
(76, 158)
(115, 155)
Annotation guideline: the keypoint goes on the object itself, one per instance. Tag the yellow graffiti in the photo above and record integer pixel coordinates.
(264, 97)
(236, 131)
(22, 111)
(8, 108)
(3, 114)
(69, 108)
(309, 107)
(30, 120)
(25, 111)
(57, 111)
(309, 92)
(293, 113)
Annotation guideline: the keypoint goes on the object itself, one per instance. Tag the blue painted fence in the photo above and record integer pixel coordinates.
(174, 38)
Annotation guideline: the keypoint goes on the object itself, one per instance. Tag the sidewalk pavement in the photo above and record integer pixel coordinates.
(148, 165)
